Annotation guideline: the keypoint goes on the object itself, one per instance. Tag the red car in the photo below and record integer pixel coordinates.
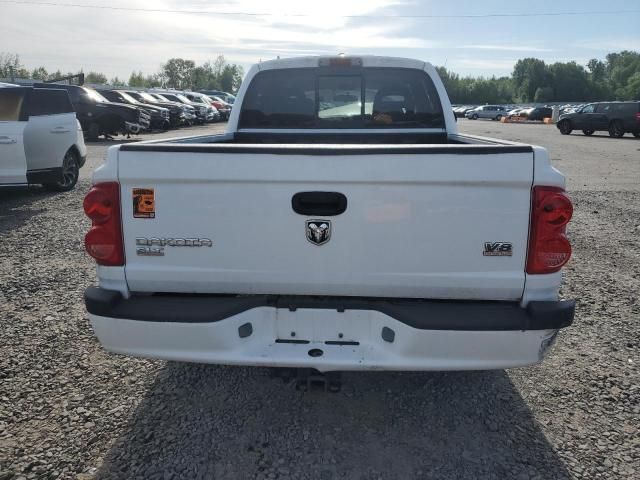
(223, 107)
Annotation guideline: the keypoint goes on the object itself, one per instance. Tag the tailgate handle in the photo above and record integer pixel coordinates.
(319, 203)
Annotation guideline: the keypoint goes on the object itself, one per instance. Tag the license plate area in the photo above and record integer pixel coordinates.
(331, 327)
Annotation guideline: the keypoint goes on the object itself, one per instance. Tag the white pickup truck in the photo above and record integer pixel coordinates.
(340, 223)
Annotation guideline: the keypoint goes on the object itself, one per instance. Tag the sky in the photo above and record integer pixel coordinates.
(118, 41)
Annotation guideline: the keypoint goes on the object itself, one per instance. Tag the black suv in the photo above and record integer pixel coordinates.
(200, 109)
(176, 110)
(617, 118)
(160, 116)
(98, 116)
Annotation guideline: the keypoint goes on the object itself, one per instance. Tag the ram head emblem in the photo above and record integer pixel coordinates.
(318, 231)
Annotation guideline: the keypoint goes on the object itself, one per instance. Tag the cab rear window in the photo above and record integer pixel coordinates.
(349, 98)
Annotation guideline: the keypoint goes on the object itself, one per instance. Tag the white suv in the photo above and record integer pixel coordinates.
(41, 140)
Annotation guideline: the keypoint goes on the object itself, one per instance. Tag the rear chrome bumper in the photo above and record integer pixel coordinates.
(289, 332)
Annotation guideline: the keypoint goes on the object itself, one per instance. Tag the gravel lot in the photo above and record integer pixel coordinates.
(70, 410)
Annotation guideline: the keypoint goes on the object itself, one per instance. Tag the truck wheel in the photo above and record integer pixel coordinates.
(615, 129)
(70, 174)
(565, 127)
(94, 131)
(588, 132)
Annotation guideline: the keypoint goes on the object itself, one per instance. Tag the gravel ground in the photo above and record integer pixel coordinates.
(70, 410)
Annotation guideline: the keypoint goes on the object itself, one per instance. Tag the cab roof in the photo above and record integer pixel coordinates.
(367, 61)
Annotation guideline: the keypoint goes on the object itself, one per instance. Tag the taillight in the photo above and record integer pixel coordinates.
(104, 240)
(549, 249)
(638, 117)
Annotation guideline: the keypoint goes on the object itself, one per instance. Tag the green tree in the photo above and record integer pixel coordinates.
(155, 80)
(231, 78)
(451, 83)
(178, 72)
(56, 74)
(95, 77)
(597, 70)
(476, 90)
(116, 82)
(632, 90)
(204, 77)
(543, 94)
(529, 74)
(570, 82)
(621, 67)
(599, 88)
(40, 73)
(136, 79)
(11, 67)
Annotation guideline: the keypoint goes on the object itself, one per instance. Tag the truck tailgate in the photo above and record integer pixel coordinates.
(423, 222)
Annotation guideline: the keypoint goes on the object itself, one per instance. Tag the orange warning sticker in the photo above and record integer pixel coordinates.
(144, 204)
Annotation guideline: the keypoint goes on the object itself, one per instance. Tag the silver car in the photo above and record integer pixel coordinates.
(494, 112)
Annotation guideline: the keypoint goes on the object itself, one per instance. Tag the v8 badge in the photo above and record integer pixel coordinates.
(497, 249)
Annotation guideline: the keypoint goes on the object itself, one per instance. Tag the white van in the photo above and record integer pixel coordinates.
(41, 141)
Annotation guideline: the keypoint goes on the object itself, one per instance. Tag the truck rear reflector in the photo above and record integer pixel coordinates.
(104, 240)
(549, 249)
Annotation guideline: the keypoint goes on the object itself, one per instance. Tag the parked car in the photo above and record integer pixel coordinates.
(41, 139)
(98, 116)
(178, 112)
(227, 97)
(223, 107)
(160, 116)
(617, 118)
(515, 112)
(570, 108)
(316, 236)
(538, 113)
(201, 110)
(189, 110)
(461, 110)
(213, 115)
(494, 112)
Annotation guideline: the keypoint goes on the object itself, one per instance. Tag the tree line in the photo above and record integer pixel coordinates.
(617, 77)
(177, 73)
